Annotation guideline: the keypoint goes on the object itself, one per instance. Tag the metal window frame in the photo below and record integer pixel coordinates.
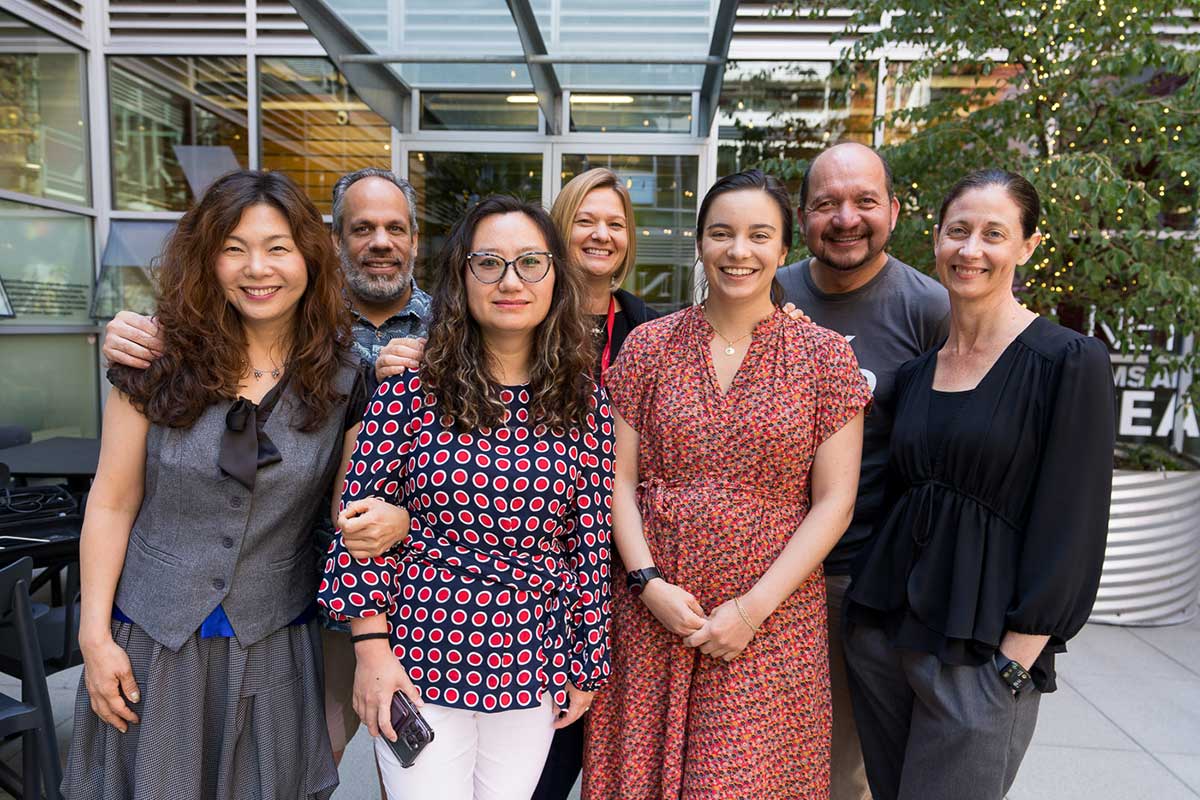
(48, 22)
(714, 72)
(545, 81)
(378, 85)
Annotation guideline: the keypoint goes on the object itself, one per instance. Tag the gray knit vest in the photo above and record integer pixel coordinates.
(202, 539)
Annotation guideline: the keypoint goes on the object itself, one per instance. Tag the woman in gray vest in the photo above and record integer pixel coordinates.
(201, 657)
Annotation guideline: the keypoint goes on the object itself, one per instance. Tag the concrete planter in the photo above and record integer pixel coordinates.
(1152, 561)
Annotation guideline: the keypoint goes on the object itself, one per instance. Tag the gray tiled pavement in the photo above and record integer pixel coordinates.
(1124, 725)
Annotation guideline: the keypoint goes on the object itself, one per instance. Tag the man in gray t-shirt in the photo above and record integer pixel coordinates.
(897, 315)
(890, 313)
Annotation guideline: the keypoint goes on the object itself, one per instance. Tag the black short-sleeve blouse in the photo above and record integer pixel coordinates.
(1002, 526)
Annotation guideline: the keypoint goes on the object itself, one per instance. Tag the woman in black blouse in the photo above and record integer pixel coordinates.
(989, 559)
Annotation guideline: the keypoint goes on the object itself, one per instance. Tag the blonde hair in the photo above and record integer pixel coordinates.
(567, 204)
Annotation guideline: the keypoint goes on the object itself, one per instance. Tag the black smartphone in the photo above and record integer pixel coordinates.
(412, 731)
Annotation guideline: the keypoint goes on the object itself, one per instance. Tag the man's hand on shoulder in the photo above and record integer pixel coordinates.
(796, 313)
(398, 356)
(132, 340)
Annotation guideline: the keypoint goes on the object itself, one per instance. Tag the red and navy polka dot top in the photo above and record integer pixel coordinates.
(501, 591)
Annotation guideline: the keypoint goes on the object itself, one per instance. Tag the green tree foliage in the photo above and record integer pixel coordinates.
(1099, 108)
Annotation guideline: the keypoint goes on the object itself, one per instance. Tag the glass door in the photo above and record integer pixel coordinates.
(449, 182)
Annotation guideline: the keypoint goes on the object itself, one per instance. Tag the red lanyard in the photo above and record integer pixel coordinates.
(607, 354)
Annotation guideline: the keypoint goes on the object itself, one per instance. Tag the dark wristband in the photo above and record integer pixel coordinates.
(637, 579)
(1012, 673)
(362, 637)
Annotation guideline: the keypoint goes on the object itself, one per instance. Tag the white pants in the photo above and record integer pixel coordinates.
(473, 755)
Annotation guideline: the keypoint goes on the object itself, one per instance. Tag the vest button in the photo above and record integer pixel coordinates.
(235, 502)
(227, 542)
(218, 584)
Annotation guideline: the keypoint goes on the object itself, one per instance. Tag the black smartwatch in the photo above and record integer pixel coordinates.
(1012, 673)
(637, 580)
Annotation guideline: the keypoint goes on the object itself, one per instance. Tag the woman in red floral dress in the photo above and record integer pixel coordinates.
(738, 446)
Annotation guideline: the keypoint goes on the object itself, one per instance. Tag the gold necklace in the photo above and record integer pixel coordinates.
(729, 345)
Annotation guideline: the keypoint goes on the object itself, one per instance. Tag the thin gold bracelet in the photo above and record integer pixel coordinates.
(737, 603)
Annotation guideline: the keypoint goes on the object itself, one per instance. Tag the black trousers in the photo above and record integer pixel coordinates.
(934, 731)
(563, 764)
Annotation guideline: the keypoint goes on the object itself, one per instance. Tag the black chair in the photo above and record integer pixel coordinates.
(45, 511)
(30, 718)
(57, 626)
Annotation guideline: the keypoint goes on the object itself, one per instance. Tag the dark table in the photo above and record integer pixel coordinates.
(67, 457)
(52, 545)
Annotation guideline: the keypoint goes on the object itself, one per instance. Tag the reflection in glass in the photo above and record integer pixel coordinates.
(640, 113)
(43, 137)
(474, 27)
(468, 111)
(51, 385)
(663, 190)
(46, 264)
(962, 82)
(127, 267)
(177, 125)
(448, 184)
(6, 309)
(633, 27)
(790, 110)
(315, 128)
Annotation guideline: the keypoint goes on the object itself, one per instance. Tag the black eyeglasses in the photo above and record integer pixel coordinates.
(530, 267)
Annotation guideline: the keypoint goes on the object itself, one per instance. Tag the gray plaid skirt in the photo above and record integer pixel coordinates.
(218, 721)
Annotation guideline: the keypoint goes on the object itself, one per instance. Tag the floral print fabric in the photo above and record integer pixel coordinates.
(724, 484)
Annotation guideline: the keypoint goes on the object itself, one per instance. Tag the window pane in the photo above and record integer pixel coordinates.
(448, 184)
(792, 110)
(50, 384)
(633, 27)
(955, 80)
(315, 128)
(46, 264)
(643, 113)
(126, 279)
(462, 111)
(663, 190)
(177, 124)
(43, 136)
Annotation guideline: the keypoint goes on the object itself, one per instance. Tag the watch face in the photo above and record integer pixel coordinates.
(1015, 676)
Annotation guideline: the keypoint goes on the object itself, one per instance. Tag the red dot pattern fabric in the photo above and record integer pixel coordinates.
(502, 590)
(724, 483)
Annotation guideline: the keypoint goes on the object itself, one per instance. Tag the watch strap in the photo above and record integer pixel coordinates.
(637, 579)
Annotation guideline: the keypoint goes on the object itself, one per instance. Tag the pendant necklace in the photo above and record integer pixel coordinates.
(729, 349)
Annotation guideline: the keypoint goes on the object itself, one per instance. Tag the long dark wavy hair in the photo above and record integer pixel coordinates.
(204, 344)
(457, 362)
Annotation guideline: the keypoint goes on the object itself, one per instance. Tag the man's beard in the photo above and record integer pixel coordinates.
(376, 288)
(870, 256)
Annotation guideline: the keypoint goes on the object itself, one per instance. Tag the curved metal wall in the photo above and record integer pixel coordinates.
(1152, 561)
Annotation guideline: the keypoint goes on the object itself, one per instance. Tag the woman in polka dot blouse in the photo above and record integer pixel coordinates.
(500, 451)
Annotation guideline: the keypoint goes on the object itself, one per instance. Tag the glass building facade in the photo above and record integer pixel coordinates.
(111, 128)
